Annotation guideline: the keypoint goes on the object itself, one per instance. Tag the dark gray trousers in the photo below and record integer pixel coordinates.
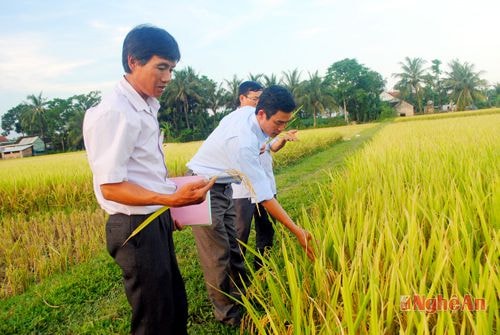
(264, 230)
(264, 233)
(244, 212)
(220, 256)
(153, 282)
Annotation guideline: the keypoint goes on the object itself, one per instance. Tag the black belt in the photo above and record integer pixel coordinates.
(121, 215)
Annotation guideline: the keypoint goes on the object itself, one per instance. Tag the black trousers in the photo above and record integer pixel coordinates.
(264, 230)
(264, 233)
(153, 282)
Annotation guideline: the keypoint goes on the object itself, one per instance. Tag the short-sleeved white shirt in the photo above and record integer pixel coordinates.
(266, 161)
(123, 143)
(235, 144)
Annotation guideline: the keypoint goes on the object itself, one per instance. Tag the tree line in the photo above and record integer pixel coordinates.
(193, 104)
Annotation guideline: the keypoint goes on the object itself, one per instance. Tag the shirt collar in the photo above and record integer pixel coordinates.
(150, 105)
(256, 127)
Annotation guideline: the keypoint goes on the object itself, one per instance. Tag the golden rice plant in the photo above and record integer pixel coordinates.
(446, 115)
(414, 213)
(313, 140)
(49, 218)
(178, 154)
(45, 183)
(33, 248)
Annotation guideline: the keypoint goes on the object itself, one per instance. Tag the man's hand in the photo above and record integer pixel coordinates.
(305, 240)
(192, 193)
(289, 136)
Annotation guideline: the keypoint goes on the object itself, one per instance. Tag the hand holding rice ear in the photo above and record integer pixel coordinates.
(303, 236)
(305, 240)
(290, 135)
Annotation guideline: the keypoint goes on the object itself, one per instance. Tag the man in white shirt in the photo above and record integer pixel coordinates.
(235, 145)
(124, 150)
(249, 93)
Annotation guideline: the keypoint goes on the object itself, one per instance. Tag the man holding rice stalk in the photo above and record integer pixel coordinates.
(249, 93)
(124, 150)
(231, 153)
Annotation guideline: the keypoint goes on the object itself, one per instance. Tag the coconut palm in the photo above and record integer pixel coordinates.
(464, 84)
(80, 104)
(216, 99)
(411, 78)
(255, 77)
(183, 91)
(315, 96)
(232, 88)
(270, 80)
(34, 115)
(291, 80)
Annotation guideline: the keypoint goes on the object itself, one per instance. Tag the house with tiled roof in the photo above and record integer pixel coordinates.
(401, 107)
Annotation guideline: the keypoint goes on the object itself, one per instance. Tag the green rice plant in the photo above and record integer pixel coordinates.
(414, 214)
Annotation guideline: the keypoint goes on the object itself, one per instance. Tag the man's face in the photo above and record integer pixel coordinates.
(250, 99)
(150, 79)
(275, 124)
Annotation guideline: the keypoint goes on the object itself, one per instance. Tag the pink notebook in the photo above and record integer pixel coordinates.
(194, 215)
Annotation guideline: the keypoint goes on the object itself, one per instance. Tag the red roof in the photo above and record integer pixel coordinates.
(3, 139)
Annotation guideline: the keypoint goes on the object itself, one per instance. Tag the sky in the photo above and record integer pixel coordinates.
(62, 48)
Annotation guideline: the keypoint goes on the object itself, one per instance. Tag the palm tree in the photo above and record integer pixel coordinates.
(232, 87)
(291, 80)
(270, 80)
(255, 77)
(464, 84)
(34, 116)
(411, 78)
(182, 91)
(436, 81)
(217, 97)
(80, 104)
(315, 95)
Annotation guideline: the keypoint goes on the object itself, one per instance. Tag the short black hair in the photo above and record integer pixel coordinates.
(248, 86)
(145, 41)
(275, 98)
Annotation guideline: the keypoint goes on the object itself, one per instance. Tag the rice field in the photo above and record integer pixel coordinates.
(406, 235)
(49, 219)
(407, 240)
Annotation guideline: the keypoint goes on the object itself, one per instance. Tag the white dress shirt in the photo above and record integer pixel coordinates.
(123, 143)
(266, 161)
(235, 144)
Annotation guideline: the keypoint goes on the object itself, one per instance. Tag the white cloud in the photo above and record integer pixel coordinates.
(25, 62)
(117, 32)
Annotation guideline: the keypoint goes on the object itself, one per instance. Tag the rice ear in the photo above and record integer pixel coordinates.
(245, 181)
